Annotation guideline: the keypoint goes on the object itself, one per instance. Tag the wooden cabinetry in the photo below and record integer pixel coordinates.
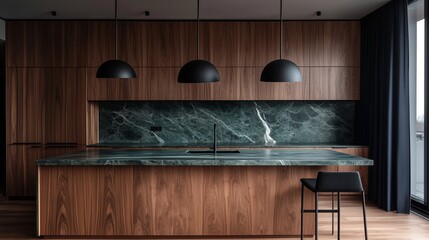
(29, 43)
(69, 43)
(157, 44)
(25, 105)
(334, 43)
(65, 105)
(334, 83)
(21, 173)
(240, 44)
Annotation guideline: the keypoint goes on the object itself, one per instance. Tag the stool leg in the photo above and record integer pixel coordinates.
(316, 213)
(364, 215)
(338, 214)
(302, 211)
(332, 213)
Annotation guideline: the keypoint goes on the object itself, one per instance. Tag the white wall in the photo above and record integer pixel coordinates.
(2, 30)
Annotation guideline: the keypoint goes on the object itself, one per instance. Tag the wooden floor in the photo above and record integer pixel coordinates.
(18, 221)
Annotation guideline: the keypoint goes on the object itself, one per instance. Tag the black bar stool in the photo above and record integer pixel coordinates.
(331, 182)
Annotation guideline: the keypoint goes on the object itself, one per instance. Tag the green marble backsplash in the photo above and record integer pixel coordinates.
(239, 122)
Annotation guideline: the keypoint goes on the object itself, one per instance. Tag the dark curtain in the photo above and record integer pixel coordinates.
(383, 112)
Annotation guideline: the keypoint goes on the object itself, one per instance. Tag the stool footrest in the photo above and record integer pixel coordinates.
(320, 211)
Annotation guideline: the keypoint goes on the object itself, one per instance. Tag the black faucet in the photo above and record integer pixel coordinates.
(214, 139)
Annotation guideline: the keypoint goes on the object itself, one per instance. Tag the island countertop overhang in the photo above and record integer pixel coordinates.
(256, 157)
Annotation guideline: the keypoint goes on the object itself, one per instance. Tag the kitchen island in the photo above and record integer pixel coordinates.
(156, 193)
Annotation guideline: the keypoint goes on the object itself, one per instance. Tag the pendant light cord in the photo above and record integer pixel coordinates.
(198, 29)
(116, 29)
(281, 28)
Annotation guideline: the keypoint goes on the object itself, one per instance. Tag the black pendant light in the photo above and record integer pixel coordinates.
(116, 68)
(198, 71)
(281, 70)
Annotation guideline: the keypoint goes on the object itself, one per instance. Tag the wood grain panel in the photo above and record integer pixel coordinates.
(334, 43)
(239, 44)
(157, 44)
(21, 169)
(174, 207)
(25, 110)
(341, 43)
(238, 83)
(92, 123)
(296, 42)
(69, 43)
(85, 201)
(335, 83)
(65, 105)
(100, 42)
(28, 43)
(285, 91)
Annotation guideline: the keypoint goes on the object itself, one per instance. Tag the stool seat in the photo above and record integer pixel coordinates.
(309, 183)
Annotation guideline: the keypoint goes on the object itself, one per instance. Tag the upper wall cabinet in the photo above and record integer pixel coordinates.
(239, 44)
(334, 43)
(29, 43)
(59, 43)
(69, 43)
(157, 44)
(296, 42)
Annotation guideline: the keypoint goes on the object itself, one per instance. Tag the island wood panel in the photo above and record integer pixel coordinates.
(334, 43)
(100, 42)
(28, 43)
(172, 200)
(334, 83)
(157, 44)
(21, 169)
(65, 101)
(85, 200)
(285, 91)
(296, 42)
(168, 200)
(69, 43)
(239, 44)
(25, 105)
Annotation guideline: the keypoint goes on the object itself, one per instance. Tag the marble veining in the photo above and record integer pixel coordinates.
(303, 157)
(267, 123)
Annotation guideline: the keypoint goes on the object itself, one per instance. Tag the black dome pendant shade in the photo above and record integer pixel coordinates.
(281, 70)
(198, 71)
(115, 68)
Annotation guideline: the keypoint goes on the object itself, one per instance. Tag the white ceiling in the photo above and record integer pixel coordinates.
(186, 9)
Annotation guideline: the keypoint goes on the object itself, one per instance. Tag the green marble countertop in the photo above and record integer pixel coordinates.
(255, 157)
(220, 145)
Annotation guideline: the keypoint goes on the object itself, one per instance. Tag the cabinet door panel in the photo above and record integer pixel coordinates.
(25, 97)
(69, 44)
(335, 83)
(334, 43)
(296, 40)
(240, 44)
(21, 175)
(29, 43)
(157, 44)
(65, 106)
(101, 42)
(238, 83)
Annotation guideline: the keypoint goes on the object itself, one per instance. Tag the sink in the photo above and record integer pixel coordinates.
(211, 151)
